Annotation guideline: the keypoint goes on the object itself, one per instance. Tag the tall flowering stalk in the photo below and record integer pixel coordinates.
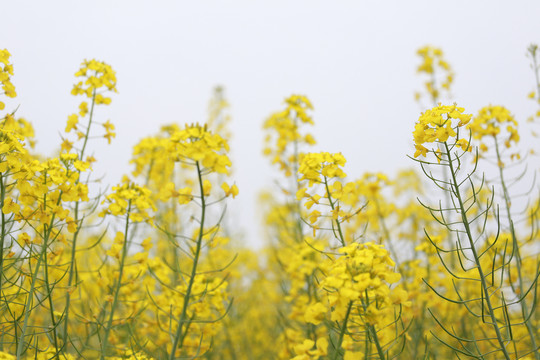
(440, 75)
(17, 193)
(353, 270)
(291, 249)
(133, 203)
(481, 261)
(533, 54)
(190, 297)
(353, 299)
(96, 80)
(44, 191)
(496, 126)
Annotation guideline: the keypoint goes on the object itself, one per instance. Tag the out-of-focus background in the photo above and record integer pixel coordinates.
(355, 60)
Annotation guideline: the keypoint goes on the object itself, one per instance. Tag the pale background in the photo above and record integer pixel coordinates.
(354, 59)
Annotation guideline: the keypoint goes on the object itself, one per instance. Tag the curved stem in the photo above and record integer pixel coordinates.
(341, 237)
(47, 229)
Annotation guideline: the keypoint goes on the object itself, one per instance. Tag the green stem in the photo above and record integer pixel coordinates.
(180, 333)
(522, 303)
(375, 338)
(42, 258)
(338, 354)
(118, 285)
(421, 322)
(87, 135)
(535, 67)
(170, 231)
(296, 160)
(3, 234)
(386, 232)
(372, 333)
(73, 262)
(338, 224)
(484, 285)
(28, 304)
(47, 283)
(2, 244)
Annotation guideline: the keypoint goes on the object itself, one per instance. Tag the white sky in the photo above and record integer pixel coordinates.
(354, 59)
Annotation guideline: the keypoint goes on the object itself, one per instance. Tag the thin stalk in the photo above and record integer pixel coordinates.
(386, 232)
(535, 66)
(125, 247)
(338, 224)
(375, 338)
(419, 333)
(170, 231)
(3, 234)
(51, 305)
(296, 155)
(73, 262)
(42, 258)
(51, 309)
(372, 332)
(337, 354)
(465, 221)
(522, 303)
(179, 331)
(29, 302)
(91, 117)
(47, 284)
(446, 176)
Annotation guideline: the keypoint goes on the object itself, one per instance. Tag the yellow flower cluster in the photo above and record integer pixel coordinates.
(532, 53)
(489, 121)
(148, 157)
(98, 78)
(41, 188)
(314, 167)
(96, 75)
(68, 291)
(6, 71)
(13, 153)
(218, 116)
(438, 70)
(311, 350)
(130, 199)
(381, 276)
(286, 125)
(196, 144)
(56, 181)
(361, 277)
(192, 146)
(438, 125)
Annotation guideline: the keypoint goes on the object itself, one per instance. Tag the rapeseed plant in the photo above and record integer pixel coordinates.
(482, 260)
(352, 268)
